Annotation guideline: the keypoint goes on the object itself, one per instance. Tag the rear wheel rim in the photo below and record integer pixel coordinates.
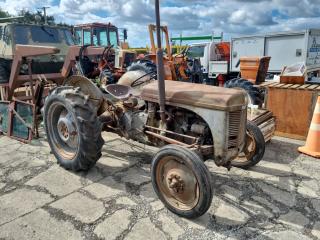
(63, 131)
(177, 183)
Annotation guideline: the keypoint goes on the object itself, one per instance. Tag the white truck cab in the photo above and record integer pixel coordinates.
(202, 51)
(210, 58)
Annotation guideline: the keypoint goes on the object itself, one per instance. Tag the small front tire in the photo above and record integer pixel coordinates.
(182, 181)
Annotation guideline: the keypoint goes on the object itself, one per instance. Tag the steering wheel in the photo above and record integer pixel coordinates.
(104, 54)
(136, 82)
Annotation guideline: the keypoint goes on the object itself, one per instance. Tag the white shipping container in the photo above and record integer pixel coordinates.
(284, 48)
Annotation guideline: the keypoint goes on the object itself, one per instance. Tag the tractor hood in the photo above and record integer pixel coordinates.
(197, 95)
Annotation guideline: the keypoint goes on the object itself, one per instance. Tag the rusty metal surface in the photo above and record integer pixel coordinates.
(167, 131)
(249, 149)
(167, 139)
(32, 50)
(73, 53)
(55, 77)
(24, 51)
(197, 95)
(217, 121)
(178, 183)
(86, 86)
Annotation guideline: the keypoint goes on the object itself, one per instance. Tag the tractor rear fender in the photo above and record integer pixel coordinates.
(87, 88)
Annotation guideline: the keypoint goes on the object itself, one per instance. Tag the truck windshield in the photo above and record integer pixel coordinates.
(41, 34)
(195, 52)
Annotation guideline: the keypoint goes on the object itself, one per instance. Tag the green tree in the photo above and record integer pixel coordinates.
(4, 14)
(30, 17)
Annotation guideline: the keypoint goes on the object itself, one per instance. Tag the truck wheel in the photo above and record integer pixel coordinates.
(254, 148)
(182, 181)
(73, 128)
(256, 98)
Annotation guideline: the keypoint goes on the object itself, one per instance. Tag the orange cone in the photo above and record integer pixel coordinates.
(312, 146)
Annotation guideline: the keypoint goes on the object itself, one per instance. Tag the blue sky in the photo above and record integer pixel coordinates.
(189, 17)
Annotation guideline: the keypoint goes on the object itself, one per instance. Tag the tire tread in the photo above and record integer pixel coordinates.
(89, 128)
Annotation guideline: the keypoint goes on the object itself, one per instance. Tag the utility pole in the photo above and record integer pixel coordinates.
(44, 9)
(160, 68)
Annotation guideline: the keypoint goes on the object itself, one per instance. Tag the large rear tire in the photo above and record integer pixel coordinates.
(256, 98)
(182, 181)
(143, 65)
(254, 148)
(73, 128)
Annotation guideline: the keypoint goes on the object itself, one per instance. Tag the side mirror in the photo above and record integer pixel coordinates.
(125, 34)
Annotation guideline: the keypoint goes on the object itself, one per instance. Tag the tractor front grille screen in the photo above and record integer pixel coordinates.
(20, 130)
(4, 115)
(234, 127)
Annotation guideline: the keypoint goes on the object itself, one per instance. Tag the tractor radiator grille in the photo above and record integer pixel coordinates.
(234, 128)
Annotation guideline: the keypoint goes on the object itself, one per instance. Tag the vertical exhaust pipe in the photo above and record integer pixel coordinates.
(160, 67)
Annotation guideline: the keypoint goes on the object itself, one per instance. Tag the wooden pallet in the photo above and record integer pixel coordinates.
(292, 106)
(264, 120)
(272, 84)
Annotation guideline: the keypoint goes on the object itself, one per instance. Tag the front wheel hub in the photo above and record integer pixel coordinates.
(176, 183)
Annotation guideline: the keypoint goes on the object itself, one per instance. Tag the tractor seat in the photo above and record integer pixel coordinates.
(118, 91)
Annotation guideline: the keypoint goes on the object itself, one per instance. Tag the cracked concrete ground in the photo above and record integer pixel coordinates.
(277, 199)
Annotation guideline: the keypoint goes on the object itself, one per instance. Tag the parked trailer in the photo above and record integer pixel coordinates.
(284, 48)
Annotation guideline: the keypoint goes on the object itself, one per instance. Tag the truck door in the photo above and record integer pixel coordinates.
(285, 50)
(313, 55)
(245, 47)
